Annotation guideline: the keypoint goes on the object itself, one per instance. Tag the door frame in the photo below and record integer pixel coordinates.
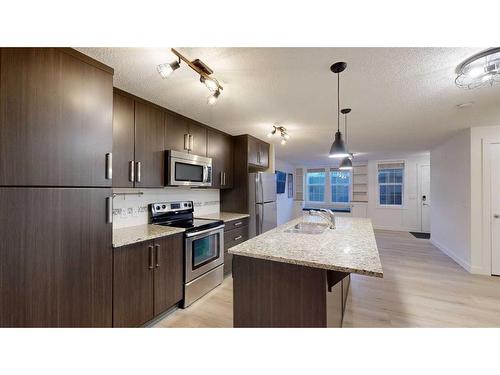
(487, 249)
(419, 190)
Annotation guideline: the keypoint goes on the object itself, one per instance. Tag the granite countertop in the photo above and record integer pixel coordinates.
(139, 233)
(351, 247)
(225, 216)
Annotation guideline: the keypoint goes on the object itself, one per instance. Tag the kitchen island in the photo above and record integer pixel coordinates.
(298, 274)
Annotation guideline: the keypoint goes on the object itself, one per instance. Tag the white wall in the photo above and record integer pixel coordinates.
(450, 198)
(130, 210)
(406, 218)
(287, 208)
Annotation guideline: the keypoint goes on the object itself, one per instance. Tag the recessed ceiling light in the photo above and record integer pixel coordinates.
(465, 105)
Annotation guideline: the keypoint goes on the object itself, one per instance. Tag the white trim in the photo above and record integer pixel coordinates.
(396, 229)
(462, 262)
(419, 192)
(403, 190)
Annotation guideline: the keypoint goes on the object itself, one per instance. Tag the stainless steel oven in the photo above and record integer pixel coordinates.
(204, 252)
(185, 169)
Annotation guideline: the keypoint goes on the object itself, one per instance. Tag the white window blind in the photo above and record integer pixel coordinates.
(390, 183)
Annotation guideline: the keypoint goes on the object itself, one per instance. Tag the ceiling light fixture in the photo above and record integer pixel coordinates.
(479, 70)
(199, 67)
(212, 99)
(338, 149)
(283, 133)
(346, 163)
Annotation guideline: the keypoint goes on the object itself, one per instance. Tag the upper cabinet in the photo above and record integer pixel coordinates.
(123, 141)
(220, 149)
(149, 145)
(138, 142)
(258, 153)
(197, 138)
(184, 134)
(56, 108)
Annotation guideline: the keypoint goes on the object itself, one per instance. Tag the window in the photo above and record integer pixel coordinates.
(340, 182)
(316, 185)
(390, 183)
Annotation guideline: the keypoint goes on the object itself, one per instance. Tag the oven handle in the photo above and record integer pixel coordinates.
(192, 234)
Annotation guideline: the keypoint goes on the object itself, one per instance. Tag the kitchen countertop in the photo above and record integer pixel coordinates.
(351, 247)
(139, 233)
(225, 216)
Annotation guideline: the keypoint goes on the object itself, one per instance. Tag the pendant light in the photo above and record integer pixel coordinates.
(346, 163)
(338, 149)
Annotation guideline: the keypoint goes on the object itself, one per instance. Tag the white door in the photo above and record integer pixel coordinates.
(495, 208)
(425, 198)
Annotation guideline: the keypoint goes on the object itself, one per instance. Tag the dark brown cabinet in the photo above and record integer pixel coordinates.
(235, 232)
(149, 145)
(258, 153)
(55, 118)
(147, 280)
(220, 149)
(168, 278)
(123, 141)
(176, 131)
(55, 258)
(198, 138)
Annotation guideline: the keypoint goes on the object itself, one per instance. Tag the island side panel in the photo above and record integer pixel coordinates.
(275, 294)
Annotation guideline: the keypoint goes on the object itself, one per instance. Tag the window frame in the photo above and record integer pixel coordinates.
(325, 193)
(349, 187)
(403, 185)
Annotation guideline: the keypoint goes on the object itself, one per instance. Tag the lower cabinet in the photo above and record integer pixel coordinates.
(235, 232)
(336, 300)
(147, 280)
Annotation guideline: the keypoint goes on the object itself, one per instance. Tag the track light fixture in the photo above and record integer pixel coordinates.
(282, 132)
(165, 70)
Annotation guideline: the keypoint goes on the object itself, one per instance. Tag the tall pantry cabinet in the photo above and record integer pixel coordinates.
(56, 108)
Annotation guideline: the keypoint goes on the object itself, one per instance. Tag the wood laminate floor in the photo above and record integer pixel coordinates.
(422, 287)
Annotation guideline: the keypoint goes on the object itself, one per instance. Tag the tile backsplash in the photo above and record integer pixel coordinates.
(130, 210)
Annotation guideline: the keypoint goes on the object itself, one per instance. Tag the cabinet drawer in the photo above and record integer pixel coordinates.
(235, 236)
(230, 225)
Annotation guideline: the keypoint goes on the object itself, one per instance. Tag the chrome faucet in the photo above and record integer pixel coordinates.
(326, 214)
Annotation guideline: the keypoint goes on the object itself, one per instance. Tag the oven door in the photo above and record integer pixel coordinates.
(204, 251)
(184, 172)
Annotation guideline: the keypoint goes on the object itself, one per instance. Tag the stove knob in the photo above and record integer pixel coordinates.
(157, 207)
(163, 206)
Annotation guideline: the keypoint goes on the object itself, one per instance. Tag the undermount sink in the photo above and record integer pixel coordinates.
(308, 228)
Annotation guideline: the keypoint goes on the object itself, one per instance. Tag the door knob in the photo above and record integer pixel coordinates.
(496, 216)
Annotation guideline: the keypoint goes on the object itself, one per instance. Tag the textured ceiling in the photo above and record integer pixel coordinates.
(402, 99)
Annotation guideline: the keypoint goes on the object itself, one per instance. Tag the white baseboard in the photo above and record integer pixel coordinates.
(463, 263)
(397, 229)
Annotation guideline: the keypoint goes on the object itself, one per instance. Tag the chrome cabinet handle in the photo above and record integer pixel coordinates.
(157, 247)
(496, 216)
(221, 179)
(109, 210)
(151, 261)
(191, 142)
(131, 171)
(238, 224)
(258, 157)
(186, 142)
(238, 238)
(224, 178)
(137, 171)
(109, 166)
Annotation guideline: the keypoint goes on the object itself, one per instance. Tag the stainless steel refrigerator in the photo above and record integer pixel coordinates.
(261, 202)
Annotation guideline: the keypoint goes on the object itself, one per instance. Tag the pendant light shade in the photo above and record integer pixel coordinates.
(339, 148)
(345, 164)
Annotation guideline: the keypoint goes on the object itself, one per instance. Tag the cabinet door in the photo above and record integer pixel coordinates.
(176, 128)
(149, 145)
(168, 275)
(55, 258)
(123, 140)
(198, 139)
(264, 154)
(220, 149)
(55, 119)
(133, 284)
(253, 151)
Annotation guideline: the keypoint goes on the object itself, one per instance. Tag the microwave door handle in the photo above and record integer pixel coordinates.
(205, 173)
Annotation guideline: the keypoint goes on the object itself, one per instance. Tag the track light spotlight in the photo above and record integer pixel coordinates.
(168, 68)
(210, 83)
(212, 99)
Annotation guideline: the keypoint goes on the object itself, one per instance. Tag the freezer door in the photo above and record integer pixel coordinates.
(266, 217)
(265, 189)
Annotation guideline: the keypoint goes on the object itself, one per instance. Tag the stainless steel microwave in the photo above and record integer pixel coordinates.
(185, 169)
